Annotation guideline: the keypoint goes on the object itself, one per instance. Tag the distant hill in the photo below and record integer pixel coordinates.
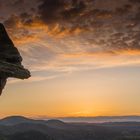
(18, 128)
(55, 122)
(13, 120)
(58, 124)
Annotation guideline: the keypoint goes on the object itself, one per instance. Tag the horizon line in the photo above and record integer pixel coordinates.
(68, 117)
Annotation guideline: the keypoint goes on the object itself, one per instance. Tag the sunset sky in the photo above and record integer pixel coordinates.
(84, 56)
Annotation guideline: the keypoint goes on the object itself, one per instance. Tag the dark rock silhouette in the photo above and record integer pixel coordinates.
(10, 60)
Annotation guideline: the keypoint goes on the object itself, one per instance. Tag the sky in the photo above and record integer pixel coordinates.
(84, 57)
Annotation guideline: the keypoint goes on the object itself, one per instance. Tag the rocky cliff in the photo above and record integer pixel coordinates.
(10, 60)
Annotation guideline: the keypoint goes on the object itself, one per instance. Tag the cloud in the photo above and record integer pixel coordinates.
(113, 26)
(134, 1)
(18, 2)
(63, 36)
(59, 11)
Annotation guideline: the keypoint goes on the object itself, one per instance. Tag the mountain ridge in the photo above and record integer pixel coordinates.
(99, 119)
(19, 126)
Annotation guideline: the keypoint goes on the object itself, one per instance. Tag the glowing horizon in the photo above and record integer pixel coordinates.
(84, 65)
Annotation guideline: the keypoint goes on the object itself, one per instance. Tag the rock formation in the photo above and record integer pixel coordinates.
(10, 60)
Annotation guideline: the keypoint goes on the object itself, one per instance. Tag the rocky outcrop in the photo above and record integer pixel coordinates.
(10, 60)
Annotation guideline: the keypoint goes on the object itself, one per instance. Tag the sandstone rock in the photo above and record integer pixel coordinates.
(10, 60)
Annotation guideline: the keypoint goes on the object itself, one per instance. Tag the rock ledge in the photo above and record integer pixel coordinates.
(10, 60)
